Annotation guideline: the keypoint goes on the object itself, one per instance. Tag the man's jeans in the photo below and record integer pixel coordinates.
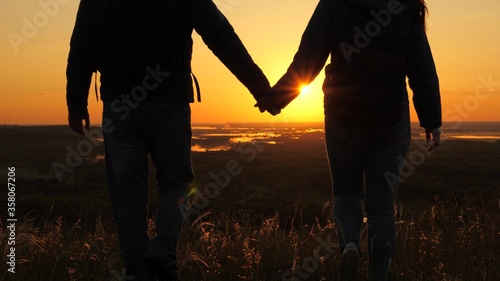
(163, 132)
(365, 161)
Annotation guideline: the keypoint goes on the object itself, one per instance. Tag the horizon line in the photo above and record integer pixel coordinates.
(223, 123)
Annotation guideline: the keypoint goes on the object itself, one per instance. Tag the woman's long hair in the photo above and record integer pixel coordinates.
(420, 10)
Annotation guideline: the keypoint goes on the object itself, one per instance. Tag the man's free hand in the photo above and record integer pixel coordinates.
(76, 122)
(435, 134)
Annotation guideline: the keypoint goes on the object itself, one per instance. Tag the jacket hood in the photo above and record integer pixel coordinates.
(368, 5)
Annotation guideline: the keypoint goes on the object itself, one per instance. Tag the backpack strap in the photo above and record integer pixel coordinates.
(177, 6)
(95, 85)
(198, 92)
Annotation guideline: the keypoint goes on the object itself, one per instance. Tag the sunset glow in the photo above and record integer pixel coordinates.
(35, 49)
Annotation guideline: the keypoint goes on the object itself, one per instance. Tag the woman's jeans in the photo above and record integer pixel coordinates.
(132, 134)
(365, 165)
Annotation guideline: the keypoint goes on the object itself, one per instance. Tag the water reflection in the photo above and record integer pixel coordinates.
(228, 136)
(199, 148)
(476, 137)
(198, 127)
(95, 159)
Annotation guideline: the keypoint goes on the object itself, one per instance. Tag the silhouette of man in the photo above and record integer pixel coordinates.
(143, 52)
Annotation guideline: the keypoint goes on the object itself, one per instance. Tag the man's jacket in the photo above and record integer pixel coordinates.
(167, 79)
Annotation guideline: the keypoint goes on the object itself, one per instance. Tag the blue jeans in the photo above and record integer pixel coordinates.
(361, 158)
(162, 132)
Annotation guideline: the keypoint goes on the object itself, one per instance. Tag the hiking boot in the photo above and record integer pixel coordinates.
(349, 263)
(162, 270)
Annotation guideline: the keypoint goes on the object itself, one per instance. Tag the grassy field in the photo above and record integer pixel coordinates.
(273, 221)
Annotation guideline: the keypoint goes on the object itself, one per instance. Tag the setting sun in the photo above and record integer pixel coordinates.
(304, 89)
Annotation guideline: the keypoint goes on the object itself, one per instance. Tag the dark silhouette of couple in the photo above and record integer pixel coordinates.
(142, 48)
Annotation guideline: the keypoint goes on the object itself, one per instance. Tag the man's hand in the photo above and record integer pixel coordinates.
(76, 122)
(436, 138)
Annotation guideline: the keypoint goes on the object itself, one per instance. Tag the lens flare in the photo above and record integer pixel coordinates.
(304, 89)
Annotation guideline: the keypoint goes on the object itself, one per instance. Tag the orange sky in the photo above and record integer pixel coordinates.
(463, 35)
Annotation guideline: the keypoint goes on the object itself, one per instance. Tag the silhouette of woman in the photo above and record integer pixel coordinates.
(374, 46)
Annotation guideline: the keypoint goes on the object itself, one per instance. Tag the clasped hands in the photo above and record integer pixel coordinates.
(266, 104)
(274, 100)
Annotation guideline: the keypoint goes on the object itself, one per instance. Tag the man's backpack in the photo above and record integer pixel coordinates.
(137, 34)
